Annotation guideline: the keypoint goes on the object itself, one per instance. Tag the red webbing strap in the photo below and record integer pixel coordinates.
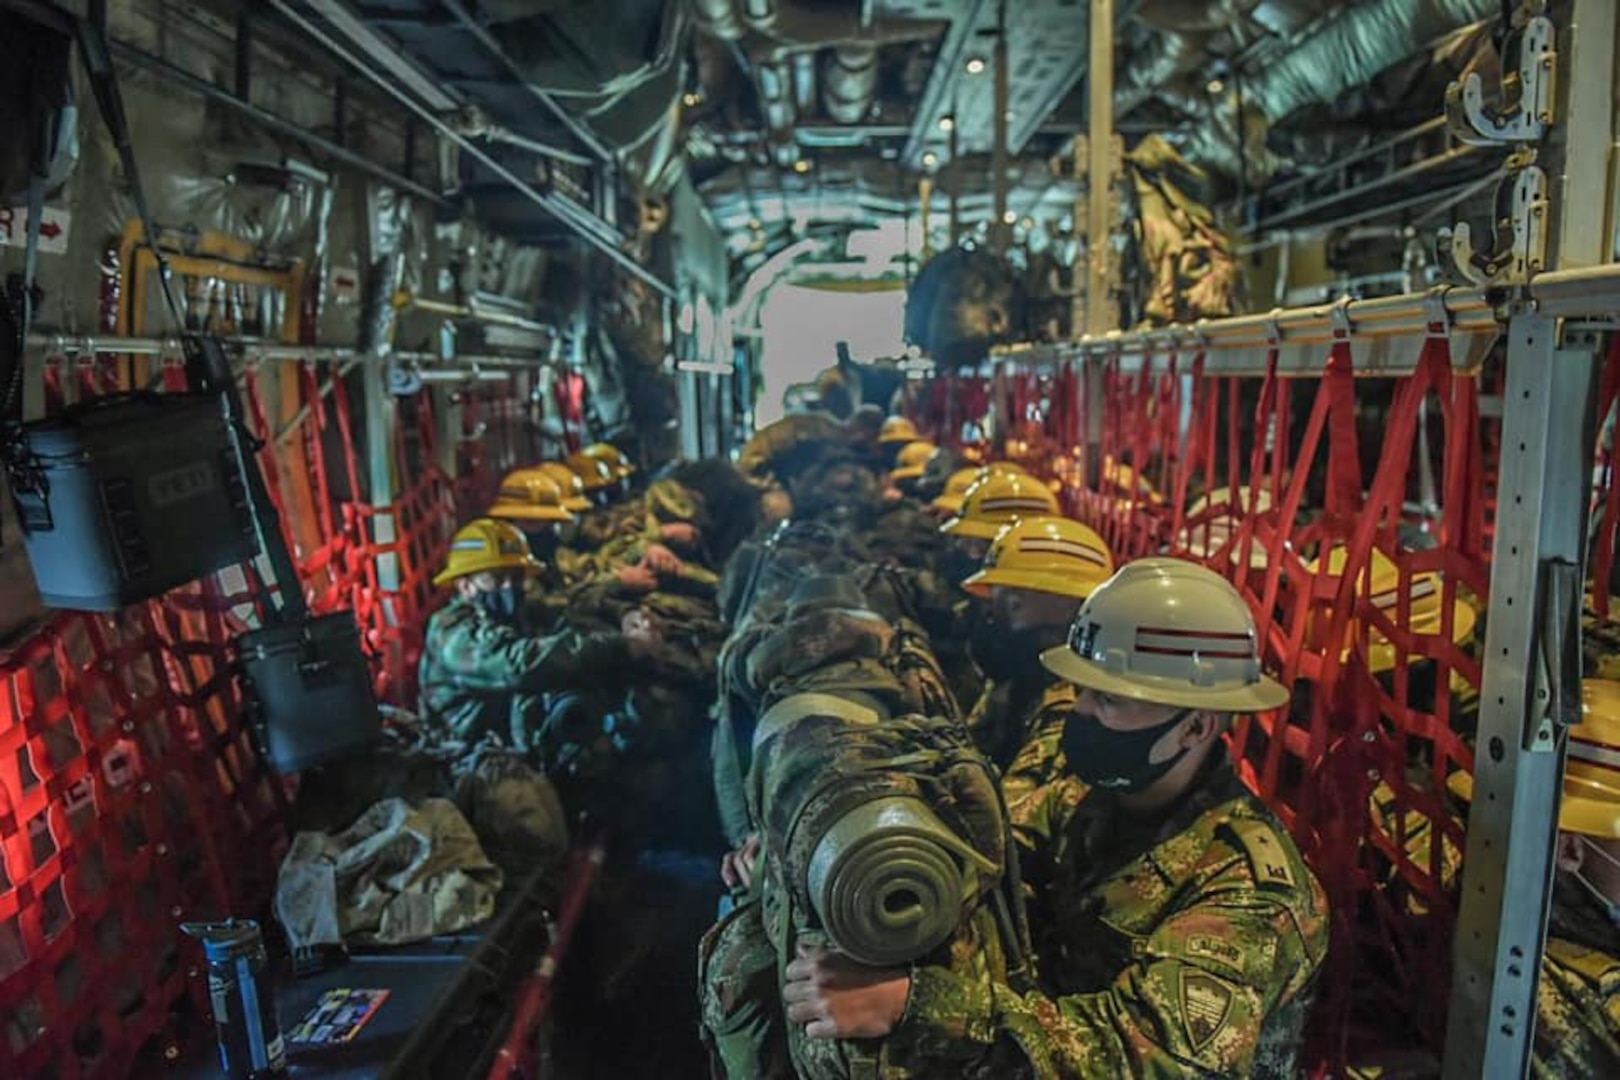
(266, 457)
(1603, 551)
(1064, 417)
(1191, 460)
(311, 430)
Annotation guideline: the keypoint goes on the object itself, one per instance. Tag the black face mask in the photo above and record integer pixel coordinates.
(501, 604)
(1011, 655)
(957, 565)
(543, 544)
(1117, 760)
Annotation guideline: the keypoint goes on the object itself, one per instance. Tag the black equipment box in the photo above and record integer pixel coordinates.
(313, 690)
(126, 498)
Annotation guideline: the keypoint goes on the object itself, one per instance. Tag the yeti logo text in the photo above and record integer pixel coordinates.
(179, 485)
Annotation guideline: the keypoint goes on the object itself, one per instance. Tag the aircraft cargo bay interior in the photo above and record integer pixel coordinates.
(809, 539)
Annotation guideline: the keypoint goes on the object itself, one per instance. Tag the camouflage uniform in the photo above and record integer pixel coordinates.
(742, 958)
(905, 535)
(481, 676)
(1185, 945)
(1038, 764)
(1578, 1013)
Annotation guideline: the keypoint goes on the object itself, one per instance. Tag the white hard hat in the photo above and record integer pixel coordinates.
(1168, 632)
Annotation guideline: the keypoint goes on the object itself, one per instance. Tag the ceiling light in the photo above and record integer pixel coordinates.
(1029, 223)
(1010, 217)
(947, 123)
(975, 66)
(691, 100)
(801, 166)
(1216, 86)
(930, 159)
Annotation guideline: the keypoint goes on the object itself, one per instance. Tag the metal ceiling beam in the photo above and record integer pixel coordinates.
(593, 230)
(947, 67)
(583, 134)
(273, 123)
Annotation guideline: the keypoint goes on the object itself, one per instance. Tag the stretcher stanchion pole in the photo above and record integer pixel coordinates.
(516, 1057)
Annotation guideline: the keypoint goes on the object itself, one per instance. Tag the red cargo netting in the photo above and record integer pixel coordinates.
(1368, 602)
(127, 805)
(955, 411)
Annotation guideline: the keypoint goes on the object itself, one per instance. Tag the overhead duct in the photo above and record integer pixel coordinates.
(719, 18)
(804, 83)
(794, 23)
(1346, 50)
(1351, 47)
(850, 83)
(776, 101)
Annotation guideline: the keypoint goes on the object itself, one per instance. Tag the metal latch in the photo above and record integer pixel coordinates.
(1558, 675)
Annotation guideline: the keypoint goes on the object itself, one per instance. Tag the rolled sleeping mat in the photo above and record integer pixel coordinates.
(890, 881)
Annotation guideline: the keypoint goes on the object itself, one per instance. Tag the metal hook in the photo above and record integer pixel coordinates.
(1522, 257)
(1473, 122)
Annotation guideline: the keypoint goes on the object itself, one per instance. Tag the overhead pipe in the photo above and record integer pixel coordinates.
(272, 123)
(804, 83)
(791, 24)
(719, 18)
(585, 225)
(776, 101)
(849, 83)
(579, 131)
(405, 300)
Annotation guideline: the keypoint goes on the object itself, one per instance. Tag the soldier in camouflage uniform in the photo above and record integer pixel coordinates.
(482, 673)
(1036, 575)
(829, 648)
(1578, 1008)
(904, 533)
(972, 649)
(1177, 929)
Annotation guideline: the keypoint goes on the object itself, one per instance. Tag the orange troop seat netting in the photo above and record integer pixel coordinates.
(130, 796)
(1382, 712)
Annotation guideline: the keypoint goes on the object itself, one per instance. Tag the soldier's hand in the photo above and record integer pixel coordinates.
(737, 868)
(636, 578)
(680, 532)
(660, 560)
(833, 997)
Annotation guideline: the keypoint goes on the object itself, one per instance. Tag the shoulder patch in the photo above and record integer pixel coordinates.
(1206, 1005)
(1268, 859)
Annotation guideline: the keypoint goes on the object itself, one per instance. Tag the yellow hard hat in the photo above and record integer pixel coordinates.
(1218, 524)
(621, 465)
(1591, 803)
(530, 495)
(486, 544)
(1426, 606)
(997, 499)
(898, 429)
(573, 488)
(1119, 477)
(913, 460)
(956, 489)
(593, 472)
(1046, 555)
